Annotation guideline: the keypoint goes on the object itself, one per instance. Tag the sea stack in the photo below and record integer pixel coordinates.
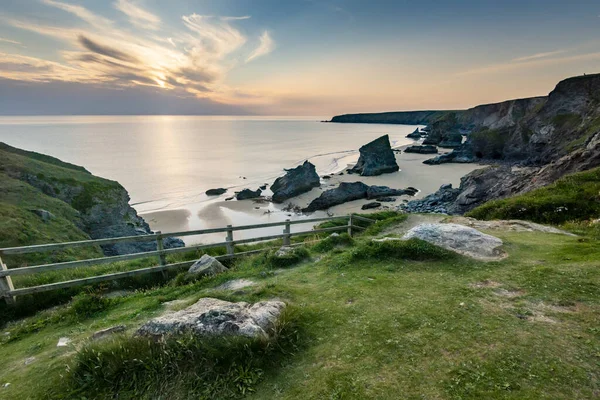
(376, 158)
(295, 182)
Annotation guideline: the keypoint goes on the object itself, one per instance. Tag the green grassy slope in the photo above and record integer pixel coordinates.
(574, 197)
(383, 321)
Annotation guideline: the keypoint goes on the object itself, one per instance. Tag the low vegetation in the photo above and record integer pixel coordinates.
(574, 197)
(365, 320)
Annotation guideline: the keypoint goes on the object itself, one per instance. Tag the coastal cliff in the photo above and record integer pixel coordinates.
(47, 200)
(394, 117)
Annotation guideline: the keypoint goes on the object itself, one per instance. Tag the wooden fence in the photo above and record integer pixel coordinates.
(9, 292)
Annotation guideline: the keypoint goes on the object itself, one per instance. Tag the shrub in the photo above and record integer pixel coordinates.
(330, 242)
(412, 249)
(87, 305)
(293, 257)
(179, 367)
(574, 197)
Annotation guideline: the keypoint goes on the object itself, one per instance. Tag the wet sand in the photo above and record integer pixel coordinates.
(218, 213)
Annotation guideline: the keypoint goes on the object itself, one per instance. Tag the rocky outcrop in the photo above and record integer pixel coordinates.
(460, 239)
(376, 158)
(348, 191)
(421, 149)
(295, 182)
(373, 192)
(99, 207)
(215, 192)
(247, 194)
(414, 135)
(437, 202)
(512, 225)
(463, 154)
(213, 317)
(207, 266)
(345, 192)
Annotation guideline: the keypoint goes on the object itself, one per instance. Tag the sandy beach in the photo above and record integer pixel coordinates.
(217, 212)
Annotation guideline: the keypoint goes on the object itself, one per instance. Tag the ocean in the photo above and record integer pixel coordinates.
(167, 162)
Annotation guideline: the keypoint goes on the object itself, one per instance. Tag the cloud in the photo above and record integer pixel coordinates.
(538, 56)
(535, 62)
(81, 12)
(105, 50)
(11, 41)
(236, 18)
(265, 46)
(191, 61)
(137, 15)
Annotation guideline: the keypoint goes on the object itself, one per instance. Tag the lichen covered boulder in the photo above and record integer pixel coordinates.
(460, 239)
(376, 158)
(214, 317)
(295, 182)
(207, 266)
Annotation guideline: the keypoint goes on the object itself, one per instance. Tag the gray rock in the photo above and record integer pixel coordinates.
(210, 317)
(376, 158)
(414, 135)
(29, 360)
(295, 182)
(371, 205)
(374, 192)
(43, 214)
(346, 191)
(248, 194)
(101, 334)
(284, 251)
(462, 154)
(422, 149)
(385, 199)
(207, 266)
(460, 239)
(215, 192)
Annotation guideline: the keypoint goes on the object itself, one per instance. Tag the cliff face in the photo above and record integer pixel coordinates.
(395, 117)
(80, 205)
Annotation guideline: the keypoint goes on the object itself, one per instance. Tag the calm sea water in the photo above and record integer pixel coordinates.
(168, 162)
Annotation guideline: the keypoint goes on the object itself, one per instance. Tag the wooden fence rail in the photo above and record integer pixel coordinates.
(9, 292)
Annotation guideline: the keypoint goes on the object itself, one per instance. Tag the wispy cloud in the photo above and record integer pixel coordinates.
(191, 61)
(531, 62)
(137, 15)
(538, 56)
(11, 41)
(265, 46)
(236, 18)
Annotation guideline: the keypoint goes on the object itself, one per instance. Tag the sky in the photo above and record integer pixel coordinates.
(286, 57)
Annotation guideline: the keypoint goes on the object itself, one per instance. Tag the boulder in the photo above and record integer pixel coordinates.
(422, 149)
(248, 194)
(284, 251)
(463, 154)
(386, 199)
(295, 181)
(371, 205)
(346, 191)
(215, 192)
(207, 266)
(460, 239)
(376, 158)
(415, 135)
(453, 140)
(43, 214)
(374, 192)
(214, 317)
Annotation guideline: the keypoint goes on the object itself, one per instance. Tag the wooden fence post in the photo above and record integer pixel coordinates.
(229, 240)
(350, 225)
(6, 285)
(286, 231)
(162, 259)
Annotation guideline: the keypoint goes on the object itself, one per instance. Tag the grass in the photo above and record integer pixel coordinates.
(386, 321)
(574, 197)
